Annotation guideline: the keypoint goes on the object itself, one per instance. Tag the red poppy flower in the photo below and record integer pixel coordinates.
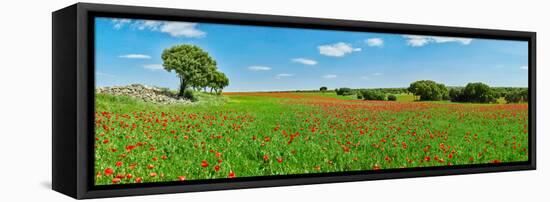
(118, 164)
(266, 158)
(181, 178)
(116, 180)
(138, 180)
(129, 176)
(217, 168)
(231, 174)
(132, 166)
(280, 159)
(108, 171)
(153, 174)
(105, 141)
(495, 161)
(204, 164)
(346, 149)
(150, 166)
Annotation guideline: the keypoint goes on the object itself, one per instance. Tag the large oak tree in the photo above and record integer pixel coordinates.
(194, 67)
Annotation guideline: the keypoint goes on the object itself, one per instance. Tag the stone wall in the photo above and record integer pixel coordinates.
(144, 93)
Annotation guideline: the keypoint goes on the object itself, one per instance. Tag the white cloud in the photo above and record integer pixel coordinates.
(524, 67)
(464, 41)
(152, 25)
(135, 56)
(174, 29)
(337, 50)
(119, 23)
(259, 68)
(377, 74)
(182, 29)
(279, 76)
(304, 61)
(104, 74)
(153, 67)
(330, 76)
(375, 42)
(418, 41)
(365, 77)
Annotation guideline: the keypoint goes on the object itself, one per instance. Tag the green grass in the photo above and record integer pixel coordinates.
(330, 95)
(307, 133)
(205, 98)
(400, 97)
(405, 97)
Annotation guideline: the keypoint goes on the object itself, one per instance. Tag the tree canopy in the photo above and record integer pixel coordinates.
(479, 92)
(429, 90)
(517, 96)
(474, 92)
(343, 91)
(373, 95)
(194, 67)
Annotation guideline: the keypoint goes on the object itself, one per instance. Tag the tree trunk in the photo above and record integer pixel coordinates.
(183, 86)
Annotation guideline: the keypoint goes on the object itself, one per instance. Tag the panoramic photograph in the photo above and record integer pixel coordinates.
(184, 101)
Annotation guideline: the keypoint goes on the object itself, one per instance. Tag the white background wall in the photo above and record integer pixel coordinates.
(25, 103)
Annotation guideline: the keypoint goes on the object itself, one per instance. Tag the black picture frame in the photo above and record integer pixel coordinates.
(73, 99)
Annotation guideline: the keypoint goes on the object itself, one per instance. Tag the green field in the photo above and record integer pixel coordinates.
(259, 134)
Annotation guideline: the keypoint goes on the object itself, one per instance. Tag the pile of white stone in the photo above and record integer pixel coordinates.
(144, 93)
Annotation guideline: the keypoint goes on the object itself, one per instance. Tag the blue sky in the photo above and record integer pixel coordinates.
(272, 58)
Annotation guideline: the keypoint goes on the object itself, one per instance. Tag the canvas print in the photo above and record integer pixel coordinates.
(186, 101)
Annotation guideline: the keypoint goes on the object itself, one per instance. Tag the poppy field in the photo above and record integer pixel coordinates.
(265, 134)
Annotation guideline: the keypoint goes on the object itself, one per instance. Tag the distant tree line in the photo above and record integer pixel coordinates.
(476, 92)
(344, 91)
(195, 69)
(427, 90)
